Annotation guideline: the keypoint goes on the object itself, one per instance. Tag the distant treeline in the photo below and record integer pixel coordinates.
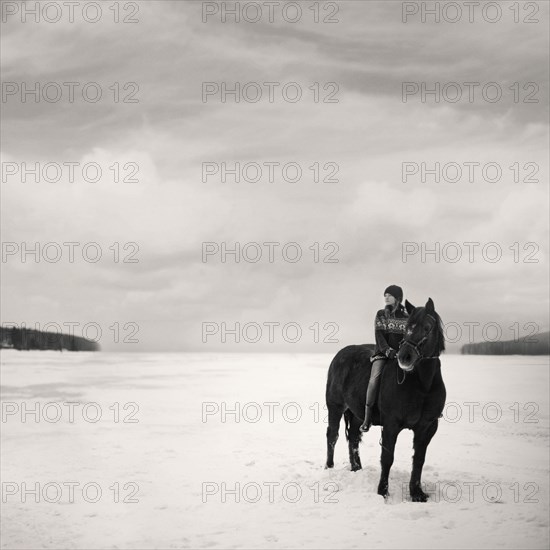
(537, 344)
(27, 339)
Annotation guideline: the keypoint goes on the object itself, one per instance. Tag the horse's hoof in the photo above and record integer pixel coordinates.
(419, 496)
(356, 467)
(328, 466)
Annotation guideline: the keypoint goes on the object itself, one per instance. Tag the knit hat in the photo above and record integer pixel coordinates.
(395, 291)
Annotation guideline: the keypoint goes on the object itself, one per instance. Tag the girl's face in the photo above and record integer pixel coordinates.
(389, 300)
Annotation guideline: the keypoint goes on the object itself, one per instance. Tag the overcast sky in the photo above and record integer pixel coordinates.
(369, 212)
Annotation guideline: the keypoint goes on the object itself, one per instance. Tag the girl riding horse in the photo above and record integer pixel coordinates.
(389, 328)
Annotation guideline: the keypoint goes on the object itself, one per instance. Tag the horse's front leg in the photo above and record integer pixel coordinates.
(422, 438)
(389, 437)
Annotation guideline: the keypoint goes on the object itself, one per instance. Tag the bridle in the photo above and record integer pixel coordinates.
(416, 347)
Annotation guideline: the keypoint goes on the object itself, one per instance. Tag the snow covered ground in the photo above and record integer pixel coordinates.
(170, 466)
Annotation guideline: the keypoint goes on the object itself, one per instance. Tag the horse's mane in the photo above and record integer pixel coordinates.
(420, 312)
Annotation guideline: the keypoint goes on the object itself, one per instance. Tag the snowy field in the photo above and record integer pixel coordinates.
(169, 465)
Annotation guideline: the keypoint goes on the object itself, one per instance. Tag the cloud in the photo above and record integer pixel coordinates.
(368, 135)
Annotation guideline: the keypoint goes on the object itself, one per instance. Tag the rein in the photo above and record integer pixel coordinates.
(397, 373)
(405, 372)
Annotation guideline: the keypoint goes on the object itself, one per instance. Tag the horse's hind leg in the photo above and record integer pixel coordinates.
(421, 441)
(354, 438)
(334, 417)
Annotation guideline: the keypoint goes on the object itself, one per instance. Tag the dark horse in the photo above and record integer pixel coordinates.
(412, 395)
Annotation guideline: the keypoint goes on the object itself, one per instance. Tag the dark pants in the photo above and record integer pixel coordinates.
(374, 382)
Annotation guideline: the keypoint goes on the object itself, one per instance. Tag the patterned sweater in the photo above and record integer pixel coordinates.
(389, 329)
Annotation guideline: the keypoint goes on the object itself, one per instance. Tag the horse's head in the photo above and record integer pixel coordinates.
(424, 336)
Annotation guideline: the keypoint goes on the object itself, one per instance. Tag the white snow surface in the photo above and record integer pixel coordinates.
(205, 479)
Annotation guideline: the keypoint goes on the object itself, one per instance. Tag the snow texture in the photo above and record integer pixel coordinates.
(204, 477)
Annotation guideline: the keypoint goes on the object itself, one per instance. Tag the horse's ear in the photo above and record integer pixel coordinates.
(409, 307)
(430, 306)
